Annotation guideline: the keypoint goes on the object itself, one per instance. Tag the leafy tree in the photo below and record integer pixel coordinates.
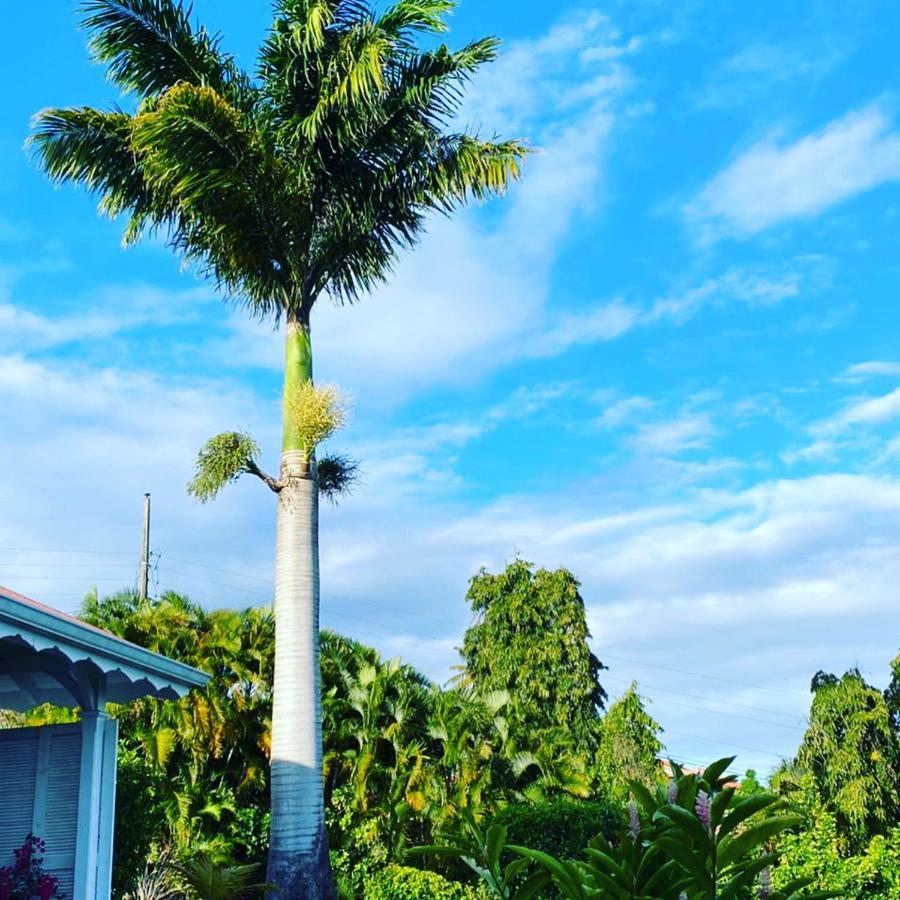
(851, 751)
(629, 746)
(305, 180)
(892, 694)
(531, 639)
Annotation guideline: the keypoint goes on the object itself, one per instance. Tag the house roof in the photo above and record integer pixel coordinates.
(48, 656)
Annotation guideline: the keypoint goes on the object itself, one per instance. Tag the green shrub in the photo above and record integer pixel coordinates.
(406, 883)
(140, 819)
(561, 828)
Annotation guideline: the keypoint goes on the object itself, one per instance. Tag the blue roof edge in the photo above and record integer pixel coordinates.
(21, 611)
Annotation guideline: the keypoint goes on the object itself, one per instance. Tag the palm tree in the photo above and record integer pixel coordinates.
(304, 180)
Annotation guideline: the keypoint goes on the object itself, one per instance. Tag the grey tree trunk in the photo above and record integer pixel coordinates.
(298, 849)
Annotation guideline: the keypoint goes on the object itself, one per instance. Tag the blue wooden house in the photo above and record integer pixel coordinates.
(59, 781)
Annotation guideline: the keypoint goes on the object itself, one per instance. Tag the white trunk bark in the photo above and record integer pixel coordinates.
(298, 860)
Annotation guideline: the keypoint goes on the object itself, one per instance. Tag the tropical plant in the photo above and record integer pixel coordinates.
(198, 766)
(304, 181)
(203, 879)
(562, 827)
(404, 883)
(485, 851)
(693, 839)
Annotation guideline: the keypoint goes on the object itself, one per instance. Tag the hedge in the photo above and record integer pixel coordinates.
(562, 828)
(406, 883)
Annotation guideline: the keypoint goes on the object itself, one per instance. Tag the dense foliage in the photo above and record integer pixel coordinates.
(405, 760)
(851, 751)
(530, 638)
(459, 773)
(845, 782)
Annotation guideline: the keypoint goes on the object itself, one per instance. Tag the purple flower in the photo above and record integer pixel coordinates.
(672, 792)
(702, 808)
(634, 820)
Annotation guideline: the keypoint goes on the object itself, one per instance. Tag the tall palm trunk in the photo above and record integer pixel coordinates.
(298, 847)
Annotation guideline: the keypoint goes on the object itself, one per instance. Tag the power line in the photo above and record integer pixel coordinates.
(760, 687)
(266, 581)
(761, 709)
(697, 737)
(85, 552)
(85, 565)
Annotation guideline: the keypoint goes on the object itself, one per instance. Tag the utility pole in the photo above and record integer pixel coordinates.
(145, 552)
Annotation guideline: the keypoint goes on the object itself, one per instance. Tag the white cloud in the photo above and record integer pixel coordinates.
(112, 311)
(623, 411)
(690, 431)
(870, 369)
(817, 451)
(774, 182)
(751, 287)
(602, 323)
(863, 411)
(757, 74)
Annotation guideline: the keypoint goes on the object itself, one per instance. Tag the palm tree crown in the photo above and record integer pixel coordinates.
(305, 179)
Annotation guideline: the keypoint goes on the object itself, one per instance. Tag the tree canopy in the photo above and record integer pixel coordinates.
(852, 752)
(530, 638)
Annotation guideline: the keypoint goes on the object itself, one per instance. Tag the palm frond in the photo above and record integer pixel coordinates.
(200, 151)
(311, 182)
(150, 46)
(408, 16)
(93, 148)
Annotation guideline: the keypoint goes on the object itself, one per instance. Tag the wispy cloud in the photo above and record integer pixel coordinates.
(602, 323)
(774, 181)
(762, 69)
(689, 431)
(112, 311)
(870, 369)
(863, 411)
(623, 411)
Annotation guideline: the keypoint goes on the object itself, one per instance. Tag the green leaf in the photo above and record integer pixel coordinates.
(496, 840)
(643, 796)
(733, 848)
(437, 850)
(532, 886)
(688, 823)
(561, 873)
(745, 878)
(718, 807)
(687, 859)
(513, 870)
(714, 771)
(743, 809)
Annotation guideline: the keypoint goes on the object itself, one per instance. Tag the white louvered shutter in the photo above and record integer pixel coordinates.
(39, 778)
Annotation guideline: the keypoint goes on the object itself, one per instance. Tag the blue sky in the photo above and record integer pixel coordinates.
(669, 360)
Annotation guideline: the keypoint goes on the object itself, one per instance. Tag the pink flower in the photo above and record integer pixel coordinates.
(634, 820)
(765, 884)
(702, 807)
(672, 792)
